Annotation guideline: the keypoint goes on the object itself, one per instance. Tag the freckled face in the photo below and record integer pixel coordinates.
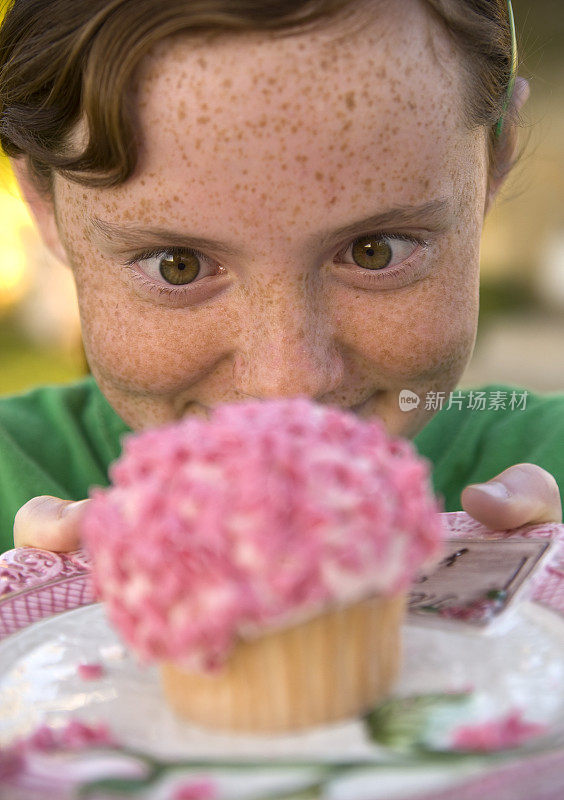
(304, 220)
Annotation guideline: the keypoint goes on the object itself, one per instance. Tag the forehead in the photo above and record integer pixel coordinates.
(250, 123)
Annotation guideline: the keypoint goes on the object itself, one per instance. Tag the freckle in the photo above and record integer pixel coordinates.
(318, 176)
(202, 62)
(350, 100)
(198, 144)
(202, 120)
(332, 201)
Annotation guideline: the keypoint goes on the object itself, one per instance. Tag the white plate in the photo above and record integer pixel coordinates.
(521, 668)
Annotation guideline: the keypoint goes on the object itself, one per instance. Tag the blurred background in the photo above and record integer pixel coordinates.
(521, 332)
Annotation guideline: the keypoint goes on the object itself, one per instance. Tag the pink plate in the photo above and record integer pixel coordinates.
(35, 583)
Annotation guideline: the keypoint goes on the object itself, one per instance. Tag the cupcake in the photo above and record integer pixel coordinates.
(262, 557)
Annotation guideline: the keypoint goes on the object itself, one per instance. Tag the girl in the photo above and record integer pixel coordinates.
(262, 200)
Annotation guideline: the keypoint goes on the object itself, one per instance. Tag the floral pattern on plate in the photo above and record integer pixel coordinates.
(36, 583)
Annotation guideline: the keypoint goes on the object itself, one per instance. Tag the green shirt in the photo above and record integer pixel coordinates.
(61, 440)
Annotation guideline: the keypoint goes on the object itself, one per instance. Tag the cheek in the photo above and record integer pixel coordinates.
(146, 348)
(441, 330)
(423, 332)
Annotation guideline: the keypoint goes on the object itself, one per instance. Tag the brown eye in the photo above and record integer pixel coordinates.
(370, 252)
(179, 268)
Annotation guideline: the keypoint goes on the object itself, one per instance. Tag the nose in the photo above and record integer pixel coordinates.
(286, 345)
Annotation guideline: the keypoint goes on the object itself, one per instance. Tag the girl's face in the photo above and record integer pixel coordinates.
(304, 220)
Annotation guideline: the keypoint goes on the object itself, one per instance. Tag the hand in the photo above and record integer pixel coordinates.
(521, 495)
(49, 523)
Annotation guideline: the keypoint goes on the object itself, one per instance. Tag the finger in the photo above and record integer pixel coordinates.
(49, 523)
(524, 494)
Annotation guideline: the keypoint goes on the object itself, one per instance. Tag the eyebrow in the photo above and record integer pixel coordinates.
(130, 238)
(434, 216)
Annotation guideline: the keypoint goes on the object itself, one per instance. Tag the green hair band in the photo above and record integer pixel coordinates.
(514, 62)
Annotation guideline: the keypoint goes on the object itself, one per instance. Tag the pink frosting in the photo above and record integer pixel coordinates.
(264, 514)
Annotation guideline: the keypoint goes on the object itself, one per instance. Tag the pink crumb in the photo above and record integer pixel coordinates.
(12, 763)
(43, 739)
(497, 734)
(90, 672)
(199, 789)
(75, 736)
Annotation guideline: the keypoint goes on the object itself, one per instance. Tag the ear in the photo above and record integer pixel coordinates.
(42, 207)
(505, 151)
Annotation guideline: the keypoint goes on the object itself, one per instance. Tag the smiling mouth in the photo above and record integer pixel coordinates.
(196, 409)
(364, 404)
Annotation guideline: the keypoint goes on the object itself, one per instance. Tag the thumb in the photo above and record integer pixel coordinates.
(49, 523)
(524, 494)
